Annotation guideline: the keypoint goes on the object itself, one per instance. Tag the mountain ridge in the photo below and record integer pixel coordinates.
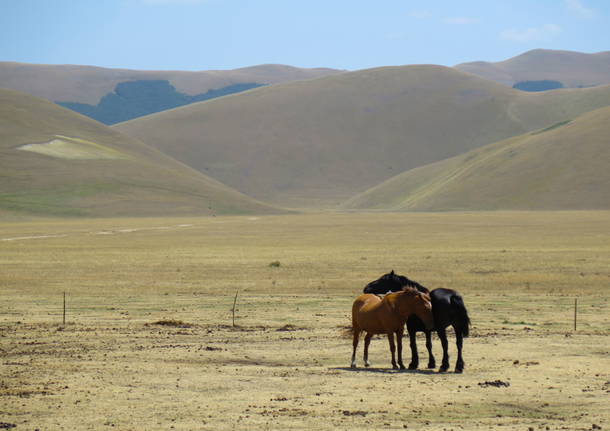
(571, 68)
(88, 84)
(319, 142)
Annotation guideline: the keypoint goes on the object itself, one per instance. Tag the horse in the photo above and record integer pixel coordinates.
(448, 309)
(388, 316)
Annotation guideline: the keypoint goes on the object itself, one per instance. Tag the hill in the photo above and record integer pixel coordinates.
(114, 95)
(56, 162)
(529, 70)
(562, 167)
(88, 84)
(134, 99)
(317, 143)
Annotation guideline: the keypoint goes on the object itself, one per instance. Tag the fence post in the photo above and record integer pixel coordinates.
(234, 303)
(64, 319)
(575, 312)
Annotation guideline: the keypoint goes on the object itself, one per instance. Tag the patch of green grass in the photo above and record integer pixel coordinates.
(37, 203)
(55, 202)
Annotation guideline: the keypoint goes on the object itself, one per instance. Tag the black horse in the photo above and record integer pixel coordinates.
(448, 309)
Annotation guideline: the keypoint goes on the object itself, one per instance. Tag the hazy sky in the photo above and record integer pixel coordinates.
(345, 34)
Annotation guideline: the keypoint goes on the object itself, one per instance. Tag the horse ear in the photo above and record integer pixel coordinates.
(392, 273)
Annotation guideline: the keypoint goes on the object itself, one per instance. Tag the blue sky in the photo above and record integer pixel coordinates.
(356, 34)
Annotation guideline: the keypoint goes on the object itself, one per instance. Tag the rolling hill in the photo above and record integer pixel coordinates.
(133, 99)
(562, 167)
(570, 69)
(56, 162)
(317, 143)
(88, 84)
(114, 95)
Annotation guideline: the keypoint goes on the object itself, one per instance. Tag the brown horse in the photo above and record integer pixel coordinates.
(374, 315)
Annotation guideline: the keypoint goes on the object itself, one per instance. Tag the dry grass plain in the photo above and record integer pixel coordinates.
(285, 364)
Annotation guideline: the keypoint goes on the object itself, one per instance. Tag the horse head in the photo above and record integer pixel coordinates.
(418, 303)
(392, 282)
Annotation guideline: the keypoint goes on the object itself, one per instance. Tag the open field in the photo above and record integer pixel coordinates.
(285, 364)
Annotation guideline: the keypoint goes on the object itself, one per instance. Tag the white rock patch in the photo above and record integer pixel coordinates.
(73, 148)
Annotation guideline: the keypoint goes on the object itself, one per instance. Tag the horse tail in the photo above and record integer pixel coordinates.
(462, 314)
(348, 331)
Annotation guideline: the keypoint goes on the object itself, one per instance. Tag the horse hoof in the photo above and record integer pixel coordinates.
(431, 365)
(413, 366)
(367, 365)
(443, 369)
(459, 370)
(402, 367)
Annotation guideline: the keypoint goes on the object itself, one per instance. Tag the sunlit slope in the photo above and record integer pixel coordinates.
(56, 162)
(320, 142)
(565, 166)
(572, 69)
(87, 84)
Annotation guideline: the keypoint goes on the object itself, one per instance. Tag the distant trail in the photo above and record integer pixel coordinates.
(131, 230)
(20, 238)
(103, 232)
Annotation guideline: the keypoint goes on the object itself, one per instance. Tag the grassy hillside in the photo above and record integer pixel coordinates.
(572, 69)
(564, 166)
(56, 162)
(320, 142)
(88, 84)
(134, 99)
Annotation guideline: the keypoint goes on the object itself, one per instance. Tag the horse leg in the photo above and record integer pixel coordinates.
(356, 336)
(413, 343)
(399, 335)
(431, 360)
(459, 365)
(367, 341)
(443, 336)
(392, 349)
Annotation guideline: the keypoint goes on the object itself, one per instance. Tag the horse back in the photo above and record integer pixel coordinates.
(366, 300)
(448, 308)
(442, 296)
(365, 303)
(367, 313)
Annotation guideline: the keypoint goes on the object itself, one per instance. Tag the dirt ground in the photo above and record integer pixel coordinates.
(149, 341)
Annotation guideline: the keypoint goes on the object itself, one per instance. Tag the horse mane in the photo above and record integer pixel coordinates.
(412, 291)
(415, 285)
(409, 291)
